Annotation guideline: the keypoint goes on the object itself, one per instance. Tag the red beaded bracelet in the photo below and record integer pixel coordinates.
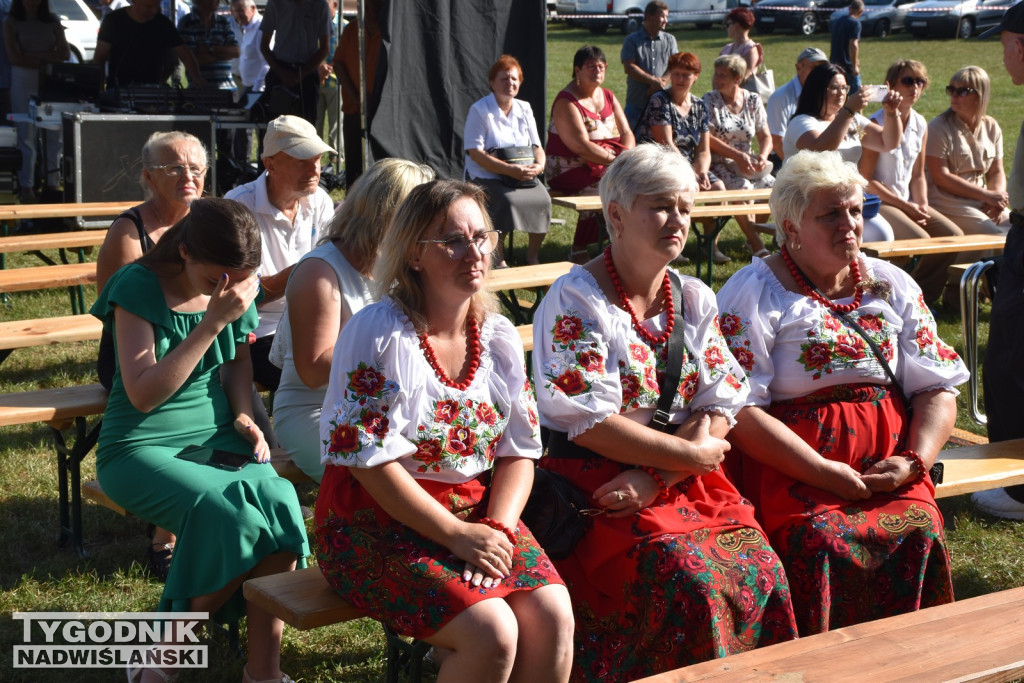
(918, 460)
(659, 480)
(498, 526)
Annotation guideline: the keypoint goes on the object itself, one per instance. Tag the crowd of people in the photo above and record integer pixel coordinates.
(757, 461)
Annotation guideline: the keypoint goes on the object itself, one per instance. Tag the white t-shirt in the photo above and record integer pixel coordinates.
(896, 167)
(781, 105)
(849, 148)
(284, 242)
(487, 127)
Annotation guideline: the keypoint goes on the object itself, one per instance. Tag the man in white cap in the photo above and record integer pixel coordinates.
(1004, 357)
(291, 209)
(782, 103)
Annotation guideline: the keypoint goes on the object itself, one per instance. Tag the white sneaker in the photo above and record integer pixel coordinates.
(998, 503)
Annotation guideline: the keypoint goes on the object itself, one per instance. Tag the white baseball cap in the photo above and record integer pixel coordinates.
(294, 136)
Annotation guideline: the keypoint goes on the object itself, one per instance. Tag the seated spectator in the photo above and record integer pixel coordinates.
(173, 174)
(430, 435)
(898, 178)
(826, 119)
(326, 288)
(677, 118)
(498, 121)
(587, 131)
(736, 119)
(133, 43)
(180, 317)
(827, 449)
(665, 576)
(782, 103)
(964, 159)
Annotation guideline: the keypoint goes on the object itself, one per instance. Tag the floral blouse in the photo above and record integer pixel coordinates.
(686, 130)
(790, 345)
(384, 401)
(589, 363)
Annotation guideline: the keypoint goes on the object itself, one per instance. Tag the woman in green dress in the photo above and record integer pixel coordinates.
(181, 316)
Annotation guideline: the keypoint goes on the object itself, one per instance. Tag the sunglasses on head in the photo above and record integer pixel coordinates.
(910, 81)
(961, 91)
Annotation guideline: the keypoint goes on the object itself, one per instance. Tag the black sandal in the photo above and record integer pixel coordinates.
(158, 559)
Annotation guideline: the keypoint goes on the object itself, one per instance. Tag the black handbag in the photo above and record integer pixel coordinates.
(557, 511)
(520, 156)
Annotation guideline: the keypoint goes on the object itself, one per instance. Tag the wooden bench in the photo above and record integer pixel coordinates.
(23, 334)
(720, 206)
(979, 639)
(981, 467)
(504, 281)
(76, 239)
(15, 212)
(70, 275)
(933, 245)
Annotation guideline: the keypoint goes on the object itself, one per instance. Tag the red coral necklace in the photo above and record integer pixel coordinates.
(472, 339)
(666, 290)
(813, 292)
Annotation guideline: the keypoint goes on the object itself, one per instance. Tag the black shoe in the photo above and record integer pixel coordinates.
(158, 560)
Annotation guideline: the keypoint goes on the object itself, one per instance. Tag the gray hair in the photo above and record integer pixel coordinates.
(649, 168)
(161, 140)
(736, 65)
(804, 175)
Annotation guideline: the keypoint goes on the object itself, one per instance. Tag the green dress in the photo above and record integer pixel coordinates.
(154, 464)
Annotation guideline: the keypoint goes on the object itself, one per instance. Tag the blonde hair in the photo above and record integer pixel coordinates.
(425, 207)
(804, 175)
(736, 65)
(977, 78)
(362, 218)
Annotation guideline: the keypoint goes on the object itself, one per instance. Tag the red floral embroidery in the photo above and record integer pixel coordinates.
(817, 355)
(730, 324)
(375, 424)
(850, 347)
(446, 411)
(946, 353)
(832, 323)
(713, 357)
(688, 387)
(365, 381)
(732, 381)
(744, 357)
(591, 361)
(429, 453)
(461, 441)
(870, 322)
(344, 439)
(650, 378)
(639, 352)
(568, 329)
(630, 387)
(485, 413)
(571, 382)
(925, 337)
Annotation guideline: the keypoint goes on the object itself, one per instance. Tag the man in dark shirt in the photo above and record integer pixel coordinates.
(133, 42)
(846, 44)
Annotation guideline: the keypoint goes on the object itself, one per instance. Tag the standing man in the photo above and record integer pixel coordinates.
(212, 42)
(252, 68)
(291, 209)
(644, 57)
(1004, 359)
(782, 103)
(846, 44)
(300, 29)
(346, 67)
(327, 108)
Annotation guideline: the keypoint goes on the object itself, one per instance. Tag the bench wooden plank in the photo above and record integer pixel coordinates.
(526, 335)
(53, 240)
(25, 211)
(55, 407)
(933, 245)
(302, 599)
(20, 334)
(593, 202)
(724, 210)
(981, 467)
(962, 437)
(47, 277)
(526, 277)
(970, 640)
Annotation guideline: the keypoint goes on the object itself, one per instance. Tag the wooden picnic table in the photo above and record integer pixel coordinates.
(593, 202)
(933, 245)
(504, 281)
(14, 212)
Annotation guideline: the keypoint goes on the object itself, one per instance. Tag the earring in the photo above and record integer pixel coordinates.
(796, 246)
(416, 268)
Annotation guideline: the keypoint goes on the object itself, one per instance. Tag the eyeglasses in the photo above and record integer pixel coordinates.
(954, 91)
(458, 247)
(911, 81)
(178, 170)
(839, 89)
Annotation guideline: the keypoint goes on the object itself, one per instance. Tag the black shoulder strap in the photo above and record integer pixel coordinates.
(135, 217)
(674, 362)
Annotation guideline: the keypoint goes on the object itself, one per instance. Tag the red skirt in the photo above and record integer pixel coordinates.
(398, 576)
(851, 561)
(688, 579)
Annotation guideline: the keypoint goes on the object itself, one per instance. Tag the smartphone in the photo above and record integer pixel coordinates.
(878, 92)
(226, 460)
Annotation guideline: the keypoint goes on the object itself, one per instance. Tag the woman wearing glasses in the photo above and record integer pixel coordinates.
(430, 433)
(173, 173)
(966, 180)
(827, 119)
(898, 178)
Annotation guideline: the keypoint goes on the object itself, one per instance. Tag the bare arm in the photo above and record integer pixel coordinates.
(918, 182)
(191, 65)
(120, 247)
(947, 181)
(653, 83)
(236, 379)
(274, 284)
(569, 124)
(777, 146)
(102, 53)
(315, 316)
(855, 55)
(830, 138)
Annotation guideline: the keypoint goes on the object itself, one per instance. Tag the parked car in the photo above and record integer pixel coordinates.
(80, 27)
(880, 17)
(808, 17)
(955, 18)
(629, 14)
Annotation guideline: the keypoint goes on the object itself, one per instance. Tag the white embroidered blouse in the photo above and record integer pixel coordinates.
(790, 345)
(385, 403)
(589, 363)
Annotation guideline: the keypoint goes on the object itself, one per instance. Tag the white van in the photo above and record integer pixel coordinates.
(628, 15)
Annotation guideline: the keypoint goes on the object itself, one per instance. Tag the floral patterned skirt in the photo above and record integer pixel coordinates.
(851, 561)
(688, 579)
(399, 577)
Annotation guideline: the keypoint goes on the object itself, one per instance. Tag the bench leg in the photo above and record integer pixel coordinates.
(69, 480)
(403, 656)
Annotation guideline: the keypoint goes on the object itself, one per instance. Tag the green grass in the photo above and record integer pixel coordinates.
(35, 575)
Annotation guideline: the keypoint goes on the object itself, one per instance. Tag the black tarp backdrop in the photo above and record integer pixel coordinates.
(433, 66)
